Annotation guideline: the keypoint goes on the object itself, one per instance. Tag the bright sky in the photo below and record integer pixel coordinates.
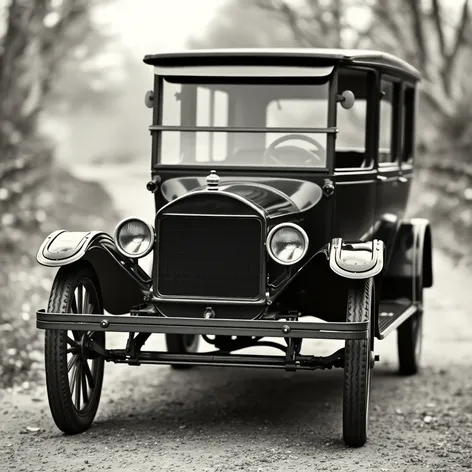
(147, 26)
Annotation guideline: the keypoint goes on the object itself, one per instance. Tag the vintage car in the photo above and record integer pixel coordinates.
(280, 179)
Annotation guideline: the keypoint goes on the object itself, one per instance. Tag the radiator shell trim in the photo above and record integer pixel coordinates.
(259, 215)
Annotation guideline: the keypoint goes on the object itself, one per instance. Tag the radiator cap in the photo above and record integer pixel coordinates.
(212, 180)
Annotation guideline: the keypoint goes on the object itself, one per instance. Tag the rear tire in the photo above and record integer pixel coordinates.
(74, 374)
(409, 341)
(410, 338)
(357, 365)
(182, 344)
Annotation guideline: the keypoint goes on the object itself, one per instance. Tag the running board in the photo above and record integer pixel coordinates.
(392, 315)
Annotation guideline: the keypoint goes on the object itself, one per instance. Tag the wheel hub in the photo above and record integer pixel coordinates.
(86, 350)
(373, 359)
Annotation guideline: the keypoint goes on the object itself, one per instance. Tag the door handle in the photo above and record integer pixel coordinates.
(381, 178)
(402, 180)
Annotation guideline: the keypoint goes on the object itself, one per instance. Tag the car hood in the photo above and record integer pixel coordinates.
(276, 196)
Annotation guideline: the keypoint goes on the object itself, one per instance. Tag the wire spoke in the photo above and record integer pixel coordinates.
(73, 380)
(80, 298)
(74, 304)
(78, 385)
(81, 374)
(86, 302)
(72, 362)
(84, 384)
(88, 374)
(73, 343)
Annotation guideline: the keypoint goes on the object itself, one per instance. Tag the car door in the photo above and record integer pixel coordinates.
(392, 190)
(407, 143)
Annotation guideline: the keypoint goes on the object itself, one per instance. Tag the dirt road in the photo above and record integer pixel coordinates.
(211, 419)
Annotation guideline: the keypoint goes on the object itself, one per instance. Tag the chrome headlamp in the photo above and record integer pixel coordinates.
(134, 237)
(287, 243)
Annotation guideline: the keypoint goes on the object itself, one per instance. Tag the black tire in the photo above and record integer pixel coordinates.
(409, 342)
(182, 344)
(410, 337)
(357, 365)
(74, 399)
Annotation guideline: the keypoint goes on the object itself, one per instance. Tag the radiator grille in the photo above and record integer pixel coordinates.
(209, 256)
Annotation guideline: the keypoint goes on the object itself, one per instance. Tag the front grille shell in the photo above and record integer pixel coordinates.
(214, 256)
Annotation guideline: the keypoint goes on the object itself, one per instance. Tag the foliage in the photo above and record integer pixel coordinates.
(24, 284)
(35, 198)
(435, 36)
(430, 35)
(241, 24)
(39, 37)
(442, 193)
(87, 62)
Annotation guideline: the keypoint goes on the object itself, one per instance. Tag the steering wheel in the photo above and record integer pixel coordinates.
(308, 157)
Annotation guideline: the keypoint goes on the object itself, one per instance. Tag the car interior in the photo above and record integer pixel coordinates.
(297, 106)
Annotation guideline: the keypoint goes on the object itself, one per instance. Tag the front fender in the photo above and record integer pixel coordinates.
(123, 283)
(359, 260)
(320, 286)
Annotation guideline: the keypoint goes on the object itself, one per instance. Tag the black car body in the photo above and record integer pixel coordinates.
(250, 235)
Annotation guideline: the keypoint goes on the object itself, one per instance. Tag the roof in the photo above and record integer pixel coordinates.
(282, 57)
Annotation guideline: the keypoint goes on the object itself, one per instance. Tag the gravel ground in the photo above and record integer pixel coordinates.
(212, 419)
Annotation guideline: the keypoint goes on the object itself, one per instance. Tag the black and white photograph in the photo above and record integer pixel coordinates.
(235, 235)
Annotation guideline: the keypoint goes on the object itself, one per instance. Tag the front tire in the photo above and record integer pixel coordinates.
(74, 373)
(357, 365)
(182, 344)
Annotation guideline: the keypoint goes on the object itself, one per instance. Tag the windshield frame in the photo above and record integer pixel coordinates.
(330, 131)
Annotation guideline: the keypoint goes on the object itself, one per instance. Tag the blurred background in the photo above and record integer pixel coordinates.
(73, 127)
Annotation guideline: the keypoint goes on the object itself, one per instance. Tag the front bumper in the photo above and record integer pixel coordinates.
(159, 324)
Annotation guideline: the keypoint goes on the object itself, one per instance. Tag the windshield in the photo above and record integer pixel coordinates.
(298, 111)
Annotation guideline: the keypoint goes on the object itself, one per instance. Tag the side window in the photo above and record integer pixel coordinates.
(386, 155)
(351, 140)
(408, 149)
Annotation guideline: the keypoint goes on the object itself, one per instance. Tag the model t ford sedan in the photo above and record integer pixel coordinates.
(280, 180)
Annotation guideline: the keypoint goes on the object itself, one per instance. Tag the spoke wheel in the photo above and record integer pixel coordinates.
(182, 344)
(409, 343)
(410, 337)
(74, 372)
(357, 365)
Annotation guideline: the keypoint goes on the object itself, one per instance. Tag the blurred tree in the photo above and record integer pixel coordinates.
(433, 35)
(263, 23)
(39, 37)
(240, 23)
(46, 52)
(85, 78)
